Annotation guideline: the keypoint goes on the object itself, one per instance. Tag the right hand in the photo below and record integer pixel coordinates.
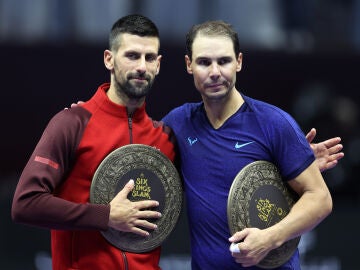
(128, 216)
(73, 105)
(76, 104)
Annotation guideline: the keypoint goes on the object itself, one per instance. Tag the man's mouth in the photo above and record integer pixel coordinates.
(215, 85)
(139, 80)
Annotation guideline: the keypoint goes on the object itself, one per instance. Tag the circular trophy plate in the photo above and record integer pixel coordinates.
(155, 177)
(259, 198)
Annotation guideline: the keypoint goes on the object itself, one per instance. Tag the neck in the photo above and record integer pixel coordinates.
(218, 111)
(130, 103)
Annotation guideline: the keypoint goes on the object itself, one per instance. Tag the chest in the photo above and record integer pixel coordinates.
(215, 156)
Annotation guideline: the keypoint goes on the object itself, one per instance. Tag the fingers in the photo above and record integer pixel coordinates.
(147, 215)
(141, 227)
(145, 205)
(144, 218)
(330, 165)
(145, 224)
(335, 155)
(139, 231)
(332, 142)
(129, 216)
(334, 149)
(333, 161)
(140, 224)
(72, 105)
(76, 104)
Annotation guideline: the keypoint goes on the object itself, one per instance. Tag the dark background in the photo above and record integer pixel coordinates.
(319, 85)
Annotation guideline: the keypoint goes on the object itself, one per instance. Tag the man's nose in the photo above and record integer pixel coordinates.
(214, 70)
(141, 67)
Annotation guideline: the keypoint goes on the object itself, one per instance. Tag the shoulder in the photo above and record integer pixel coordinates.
(276, 124)
(183, 111)
(262, 106)
(72, 115)
(68, 121)
(63, 134)
(179, 116)
(271, 113)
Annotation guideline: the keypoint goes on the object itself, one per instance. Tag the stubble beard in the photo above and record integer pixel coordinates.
(130, 89)
(219, 96)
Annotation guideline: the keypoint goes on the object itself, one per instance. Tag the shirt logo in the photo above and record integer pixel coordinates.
(238, 146)
(192, 141)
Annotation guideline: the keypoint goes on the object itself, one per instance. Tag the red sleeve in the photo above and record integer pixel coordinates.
(34, 201)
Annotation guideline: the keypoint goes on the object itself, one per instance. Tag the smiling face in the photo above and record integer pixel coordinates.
(133, 65)
(214, 66)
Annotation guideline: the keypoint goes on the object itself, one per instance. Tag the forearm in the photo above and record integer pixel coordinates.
(34, 204)
(305, 215)
(54, 213)
(313, 206)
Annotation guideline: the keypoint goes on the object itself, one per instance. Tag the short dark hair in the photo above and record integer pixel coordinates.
(212, 28)
(134, 24)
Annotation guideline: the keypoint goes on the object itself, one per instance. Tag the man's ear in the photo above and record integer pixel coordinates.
(188, 64)
(239, 62)
(108, 60)
(158, 64)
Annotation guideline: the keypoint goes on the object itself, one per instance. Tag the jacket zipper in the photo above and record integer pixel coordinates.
(125, 260)
(130, 122)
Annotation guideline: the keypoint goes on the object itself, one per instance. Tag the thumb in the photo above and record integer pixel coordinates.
(311, 135)
(238, 236)
(129, 186)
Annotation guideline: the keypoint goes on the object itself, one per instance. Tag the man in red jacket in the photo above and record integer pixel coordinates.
(53, 191)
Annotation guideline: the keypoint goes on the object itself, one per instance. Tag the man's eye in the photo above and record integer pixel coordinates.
(150, 58)
(132, 56)
(203, 62)
(224, 61)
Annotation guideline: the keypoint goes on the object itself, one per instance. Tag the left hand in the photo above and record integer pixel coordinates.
(254, 246)
(327, 153)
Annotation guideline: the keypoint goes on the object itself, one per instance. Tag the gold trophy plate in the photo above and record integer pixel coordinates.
(155, 177)
(259, 198)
